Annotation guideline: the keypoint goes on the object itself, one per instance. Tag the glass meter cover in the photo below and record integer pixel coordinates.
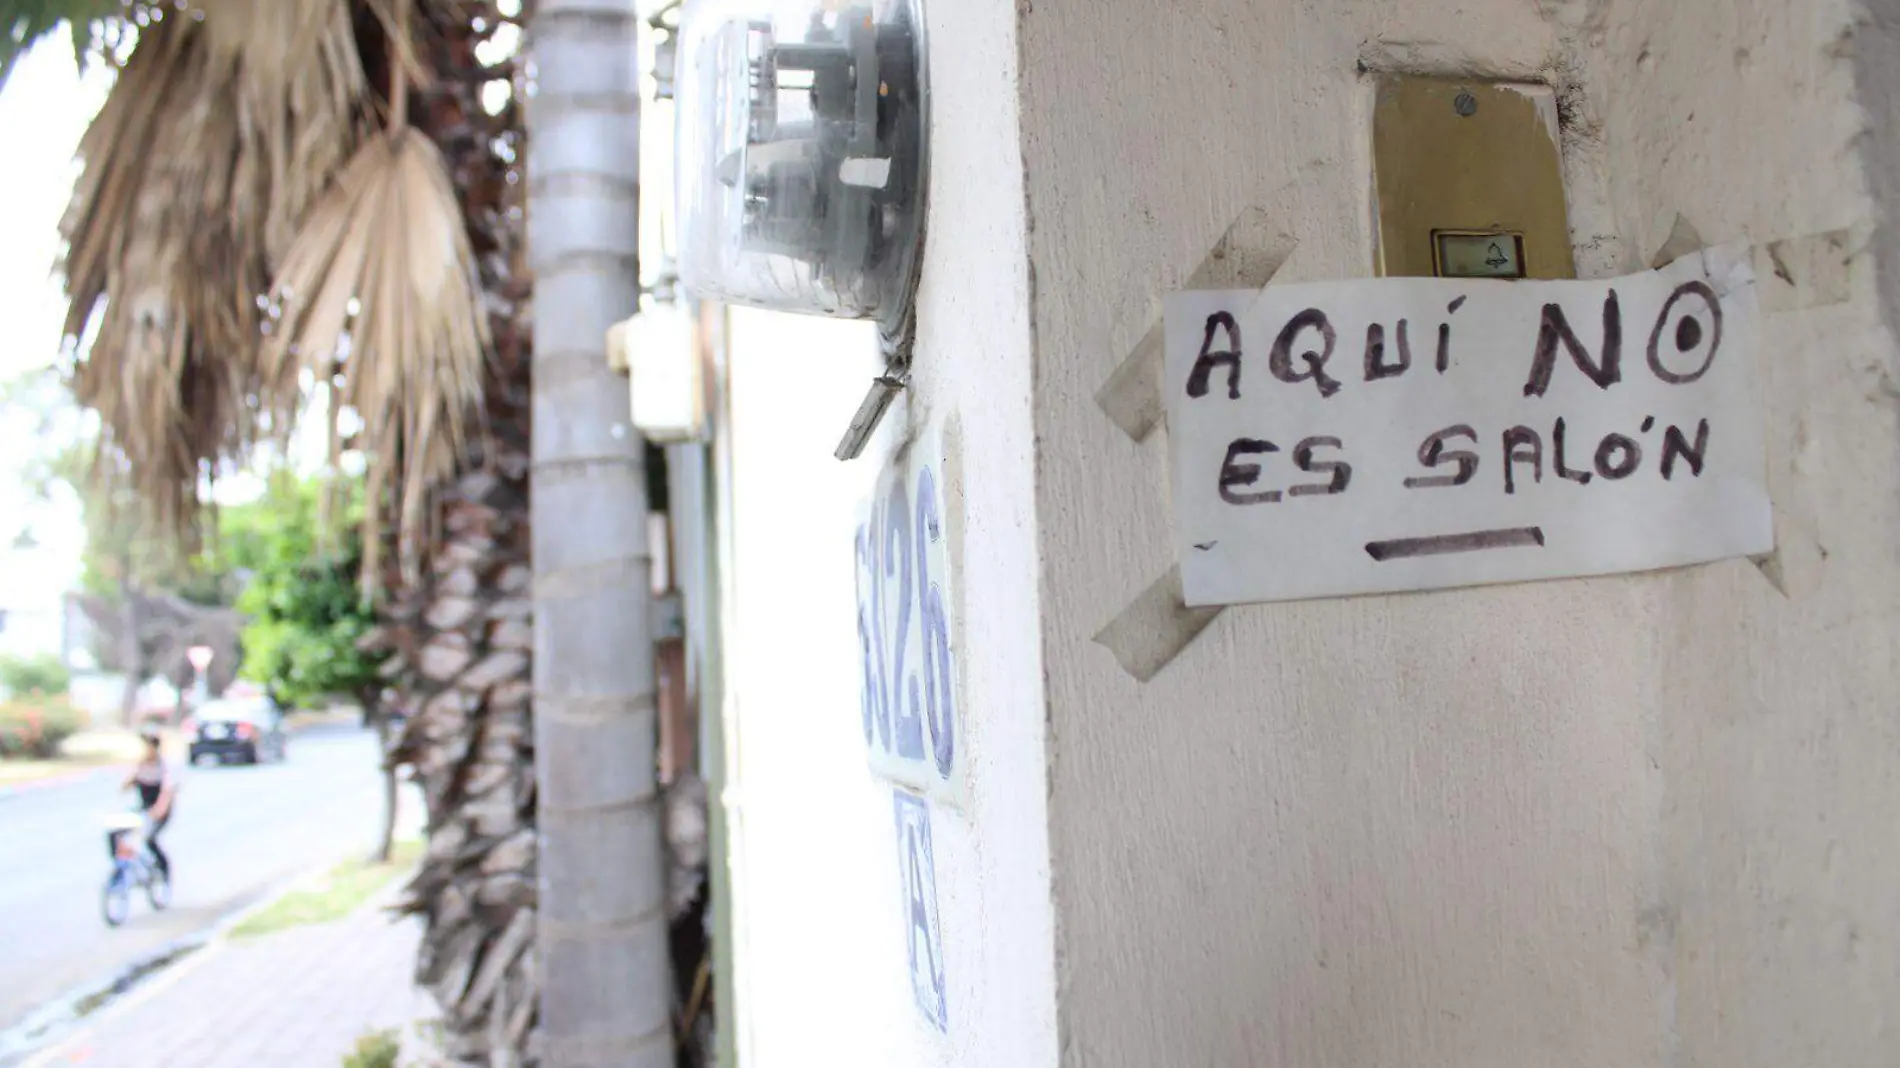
(801, 154)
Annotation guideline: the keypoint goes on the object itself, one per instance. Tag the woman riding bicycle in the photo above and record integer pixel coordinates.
(158, 787)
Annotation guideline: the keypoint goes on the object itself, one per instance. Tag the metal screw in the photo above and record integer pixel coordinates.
(1465, 104)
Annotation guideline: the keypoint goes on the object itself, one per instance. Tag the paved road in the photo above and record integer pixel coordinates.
(238, 832)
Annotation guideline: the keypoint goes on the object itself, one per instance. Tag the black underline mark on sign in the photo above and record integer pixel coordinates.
(1440, 545)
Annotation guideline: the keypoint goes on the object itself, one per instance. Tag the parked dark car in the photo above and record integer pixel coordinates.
(249, 730)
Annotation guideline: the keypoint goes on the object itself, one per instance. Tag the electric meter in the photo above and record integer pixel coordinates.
(800, 159)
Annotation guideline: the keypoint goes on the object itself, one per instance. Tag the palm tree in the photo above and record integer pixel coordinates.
(307, 198)
(461, 623)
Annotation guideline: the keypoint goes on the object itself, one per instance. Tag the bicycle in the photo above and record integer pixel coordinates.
(132, 870)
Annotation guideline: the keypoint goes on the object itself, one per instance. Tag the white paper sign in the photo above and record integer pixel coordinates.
(1420, 433)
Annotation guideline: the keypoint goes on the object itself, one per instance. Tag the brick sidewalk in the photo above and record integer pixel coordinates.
(297, 998)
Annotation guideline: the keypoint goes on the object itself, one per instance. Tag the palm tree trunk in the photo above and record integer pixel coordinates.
(601, 945)
(461, 636)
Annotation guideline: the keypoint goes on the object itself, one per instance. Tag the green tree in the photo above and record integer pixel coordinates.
(124, 552)
(148, 596)
(21, 676)
(306, 615)
(303, 602)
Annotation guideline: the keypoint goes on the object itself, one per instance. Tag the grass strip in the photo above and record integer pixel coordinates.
(332, 896)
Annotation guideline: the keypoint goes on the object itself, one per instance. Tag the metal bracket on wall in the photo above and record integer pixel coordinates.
(1157, 625)
(897, 343)
(877, 401)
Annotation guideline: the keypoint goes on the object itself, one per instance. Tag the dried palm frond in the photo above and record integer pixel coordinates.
(221, 132)
(150, 283)
(300, 89)
(233, 214)
(382, 272)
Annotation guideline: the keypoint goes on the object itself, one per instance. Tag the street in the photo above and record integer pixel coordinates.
(237, 832)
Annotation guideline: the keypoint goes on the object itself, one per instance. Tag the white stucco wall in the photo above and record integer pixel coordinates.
(822, 971)
(817, 958)
(1632, 821)
(973, 378)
